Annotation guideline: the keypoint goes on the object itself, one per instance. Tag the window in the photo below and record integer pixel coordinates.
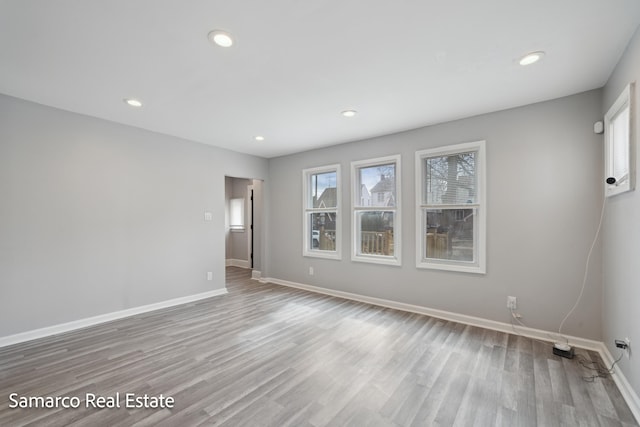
(617, 128)
(321, 229)
(376, 210)
(236, 215)
(450, 214)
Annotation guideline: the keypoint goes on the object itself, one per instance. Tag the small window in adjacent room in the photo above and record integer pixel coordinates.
(450, 202)
(321, 207)
(619, 172)
(236, 215)
(376, 210)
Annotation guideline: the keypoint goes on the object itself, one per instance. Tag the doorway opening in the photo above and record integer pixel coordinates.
(243, 223)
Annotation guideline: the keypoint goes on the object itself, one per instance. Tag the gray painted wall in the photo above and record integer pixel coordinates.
(544, 196)
(97, 217)
(621, 235)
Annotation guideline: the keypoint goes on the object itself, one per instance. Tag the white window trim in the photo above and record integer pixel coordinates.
(627, 183)
(479, 266)
(396, 259)
(306, 210)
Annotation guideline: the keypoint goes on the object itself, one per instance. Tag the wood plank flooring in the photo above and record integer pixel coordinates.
(266, 355)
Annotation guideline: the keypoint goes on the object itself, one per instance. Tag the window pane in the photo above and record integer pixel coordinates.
(236, 214)
(450, 234)
(323, 190)
(377, 186)
(376, 233)
(323, 231)
(450, 179)
(620, 139)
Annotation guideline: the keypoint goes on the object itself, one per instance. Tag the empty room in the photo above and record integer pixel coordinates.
(356, 213)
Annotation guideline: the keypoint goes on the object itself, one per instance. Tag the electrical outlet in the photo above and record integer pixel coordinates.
(512, 303)
(310, 271)
(209, 275)
(628, 341)
(624, 345)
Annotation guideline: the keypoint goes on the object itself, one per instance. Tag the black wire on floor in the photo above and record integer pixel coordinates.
(601, 371)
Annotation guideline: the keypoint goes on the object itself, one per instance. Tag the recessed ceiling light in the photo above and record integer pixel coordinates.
(349, 113)
(133, 102)
(259, 138)
(531, 58)
(221, 38)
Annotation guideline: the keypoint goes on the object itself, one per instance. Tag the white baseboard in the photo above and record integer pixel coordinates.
(102, 318)
(242, 263)
(445, 315)
(625, 388)
(628, 393)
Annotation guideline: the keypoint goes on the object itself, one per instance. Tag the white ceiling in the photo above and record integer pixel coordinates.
(296, 64)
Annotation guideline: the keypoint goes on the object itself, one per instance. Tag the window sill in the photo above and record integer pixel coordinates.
(460, 268)
(322, 254)
(380, 259)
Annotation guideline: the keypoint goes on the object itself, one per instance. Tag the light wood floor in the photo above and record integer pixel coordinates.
(266, 355)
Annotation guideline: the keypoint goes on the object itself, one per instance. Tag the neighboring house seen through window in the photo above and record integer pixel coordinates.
(376, 210)
(321, 212)
(450, 216)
